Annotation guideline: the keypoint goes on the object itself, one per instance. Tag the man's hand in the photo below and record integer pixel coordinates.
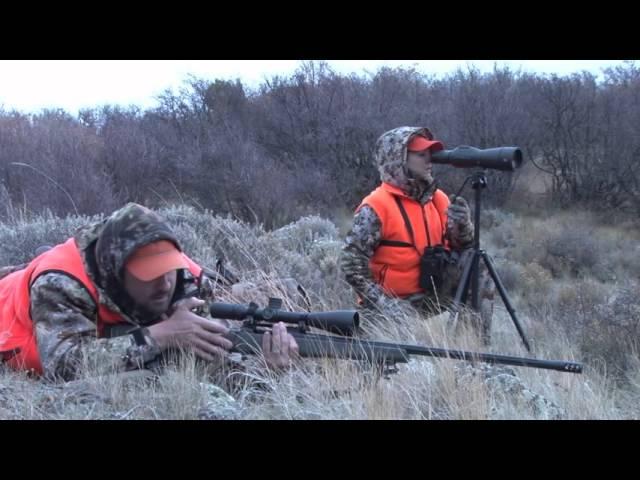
(186, 329)
(459, 225)
(279, 347)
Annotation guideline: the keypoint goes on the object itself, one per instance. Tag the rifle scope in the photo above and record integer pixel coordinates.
(343, 322)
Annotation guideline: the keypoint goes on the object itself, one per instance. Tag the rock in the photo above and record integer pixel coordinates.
(504, 381)
(219, 404)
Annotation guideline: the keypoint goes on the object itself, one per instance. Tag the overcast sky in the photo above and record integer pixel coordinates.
(30, 85)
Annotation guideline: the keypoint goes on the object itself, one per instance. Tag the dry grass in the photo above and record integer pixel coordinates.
(567, 314)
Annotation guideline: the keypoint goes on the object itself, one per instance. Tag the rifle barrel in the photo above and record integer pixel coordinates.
(315, 346)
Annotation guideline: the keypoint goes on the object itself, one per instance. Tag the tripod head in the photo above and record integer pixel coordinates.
(478, 183)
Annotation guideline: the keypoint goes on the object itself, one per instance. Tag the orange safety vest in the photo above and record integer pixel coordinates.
(18, 345)
(395, 265)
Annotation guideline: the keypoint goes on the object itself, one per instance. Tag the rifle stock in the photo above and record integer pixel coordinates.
(324, 346)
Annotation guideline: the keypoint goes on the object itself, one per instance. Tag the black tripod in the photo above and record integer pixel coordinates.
(471, 272)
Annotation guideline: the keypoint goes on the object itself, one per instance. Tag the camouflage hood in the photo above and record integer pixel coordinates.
(390, 156)
(107, 245)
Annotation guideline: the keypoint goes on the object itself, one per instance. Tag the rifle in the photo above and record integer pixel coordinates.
(247, 339)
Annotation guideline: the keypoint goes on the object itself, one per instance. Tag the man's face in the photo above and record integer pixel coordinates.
(154, 295)
(419, 165)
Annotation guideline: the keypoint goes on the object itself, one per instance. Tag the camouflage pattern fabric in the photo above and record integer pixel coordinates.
(64, 313)
(390, 156)
(459, 225)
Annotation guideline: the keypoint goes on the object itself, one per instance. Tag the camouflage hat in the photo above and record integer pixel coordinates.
(390, 154)
(117, 239)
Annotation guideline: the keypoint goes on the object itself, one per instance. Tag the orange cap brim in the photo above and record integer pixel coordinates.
(420, 143)
(154, 260)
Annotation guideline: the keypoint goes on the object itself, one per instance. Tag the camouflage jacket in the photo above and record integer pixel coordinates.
(363, 239)
(64, 313)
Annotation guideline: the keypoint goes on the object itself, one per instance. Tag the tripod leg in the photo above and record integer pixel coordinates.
(463, 285)
(505, 298)
(475, 282)
(461, 292)
(486, 320)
